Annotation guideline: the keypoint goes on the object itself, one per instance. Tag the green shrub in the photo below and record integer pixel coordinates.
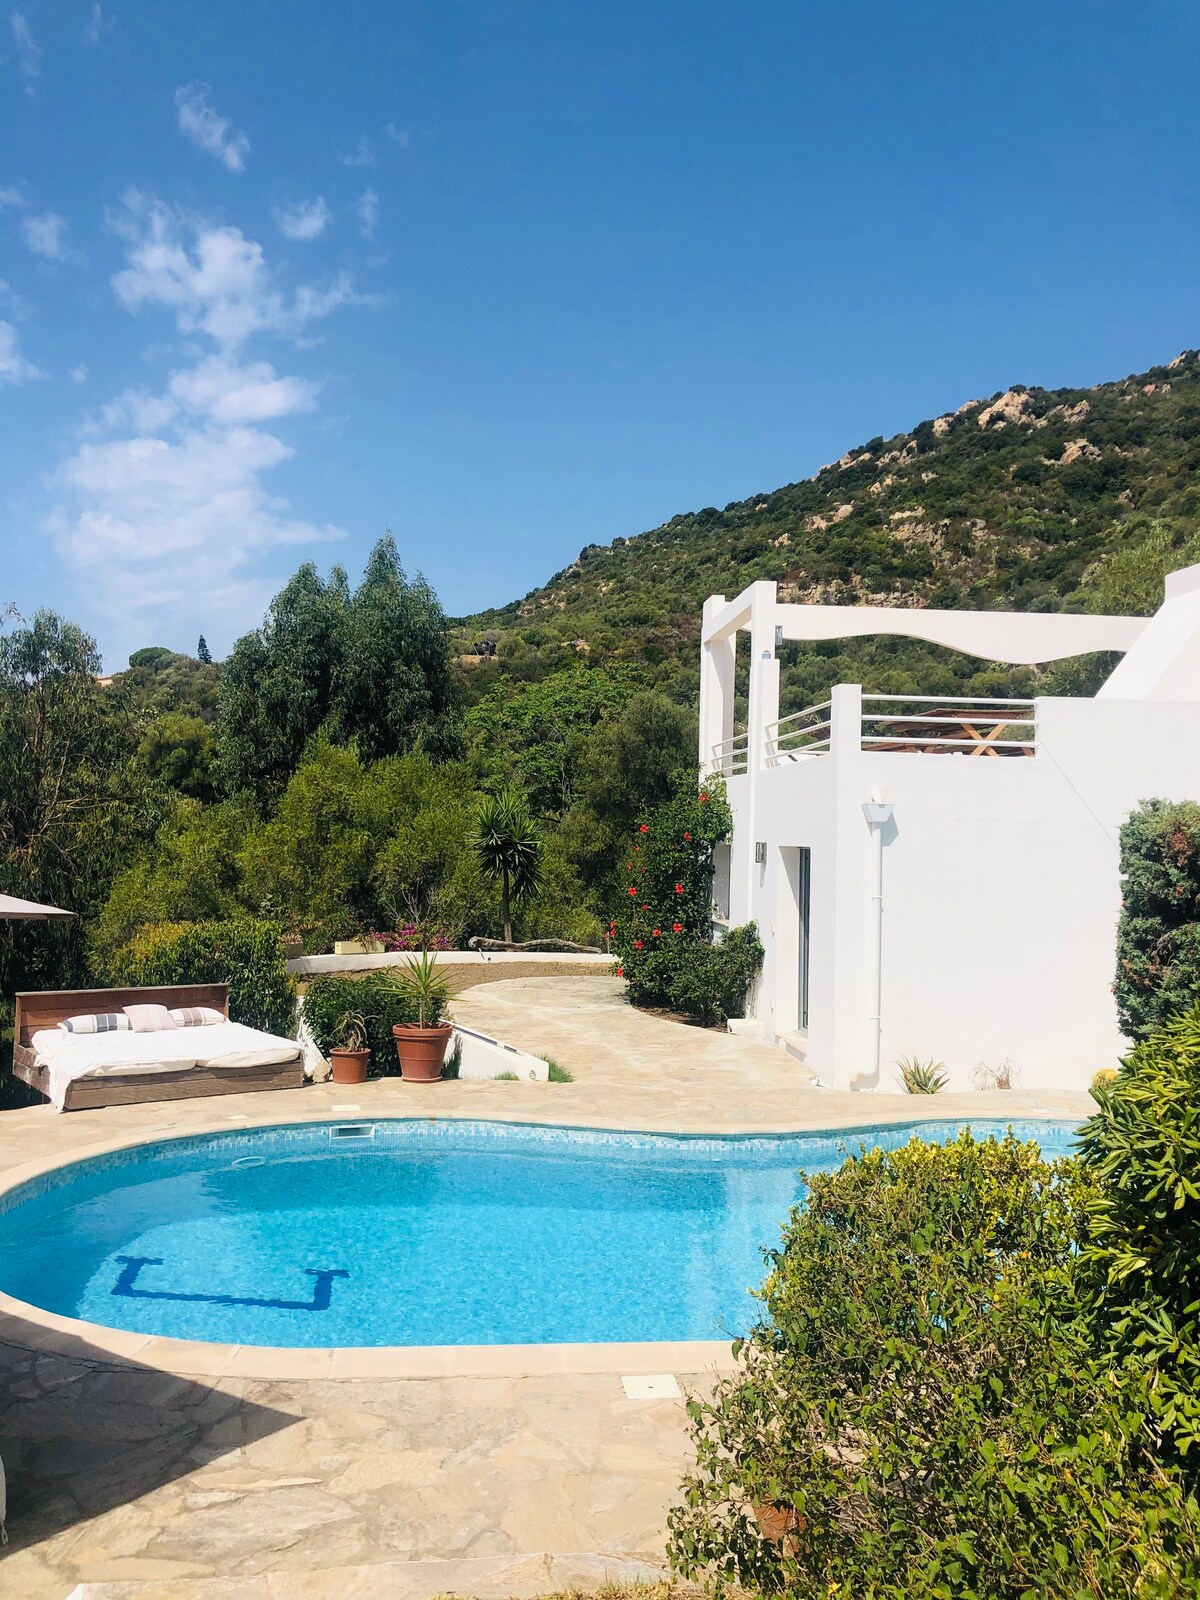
(246, 955)
(558, 1073)
(1158, 935)
(922, 1414)
(1142, 1259)
(709, 982)
(376, 996)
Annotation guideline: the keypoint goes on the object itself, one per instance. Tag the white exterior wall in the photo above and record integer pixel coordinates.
(1001, 884)
(1000, 894)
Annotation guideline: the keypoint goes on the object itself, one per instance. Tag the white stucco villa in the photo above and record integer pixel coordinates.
(939, 877)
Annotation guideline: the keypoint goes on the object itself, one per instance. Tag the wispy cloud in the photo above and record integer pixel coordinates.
(10, 198)
(49, 236)
(400, 136)
(306, 219)
(164, 482)
(201, 124)
(361, 156)
(366, 209)
(79, 374)
(214, 279)
(14, 368)
(29, 55)
(98, 25)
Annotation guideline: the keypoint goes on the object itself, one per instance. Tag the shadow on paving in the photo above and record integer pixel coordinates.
(82, 1433)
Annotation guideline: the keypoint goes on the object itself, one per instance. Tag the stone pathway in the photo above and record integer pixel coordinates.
(152, 1486)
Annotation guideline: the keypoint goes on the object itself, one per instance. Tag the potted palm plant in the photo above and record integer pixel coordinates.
(351, 1057)
(421, 1045)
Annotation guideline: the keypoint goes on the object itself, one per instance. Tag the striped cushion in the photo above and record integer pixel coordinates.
(97, 1022)
(196, 1016)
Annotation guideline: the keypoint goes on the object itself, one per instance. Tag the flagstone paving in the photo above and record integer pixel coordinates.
(146, 1482)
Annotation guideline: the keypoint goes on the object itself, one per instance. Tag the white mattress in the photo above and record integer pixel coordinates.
(68, 1056)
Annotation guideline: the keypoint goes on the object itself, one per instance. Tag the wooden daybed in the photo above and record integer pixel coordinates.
(46, 1010)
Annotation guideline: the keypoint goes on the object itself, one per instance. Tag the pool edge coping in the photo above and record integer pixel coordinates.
(57, 1335)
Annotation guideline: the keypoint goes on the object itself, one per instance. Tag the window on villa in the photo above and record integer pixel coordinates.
(720, 886)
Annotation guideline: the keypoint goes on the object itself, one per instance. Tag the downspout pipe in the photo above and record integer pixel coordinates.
(878, 814)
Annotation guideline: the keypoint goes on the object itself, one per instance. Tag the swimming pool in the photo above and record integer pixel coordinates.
(424, 1232)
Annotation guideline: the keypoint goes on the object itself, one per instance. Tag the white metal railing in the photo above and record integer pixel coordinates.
(909, 723)
(947, 725)
(731, 756)
(804, 733)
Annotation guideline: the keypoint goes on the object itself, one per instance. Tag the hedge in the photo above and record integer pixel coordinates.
(1158, 935)
(375, 996)
(246, 955)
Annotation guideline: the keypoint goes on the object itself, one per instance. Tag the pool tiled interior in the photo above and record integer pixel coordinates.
(235, 1478)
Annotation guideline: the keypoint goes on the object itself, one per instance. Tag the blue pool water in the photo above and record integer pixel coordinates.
(424, 1232)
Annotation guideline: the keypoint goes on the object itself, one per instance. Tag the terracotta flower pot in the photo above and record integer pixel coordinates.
(350, 1066)
(421, 1050)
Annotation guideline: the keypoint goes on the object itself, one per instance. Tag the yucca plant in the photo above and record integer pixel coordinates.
(424, 987)
(351, 1031)
(509, 849)
(921, 1077)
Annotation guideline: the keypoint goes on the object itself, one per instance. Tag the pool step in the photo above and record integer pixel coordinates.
(795, 1045)
(482, 1577)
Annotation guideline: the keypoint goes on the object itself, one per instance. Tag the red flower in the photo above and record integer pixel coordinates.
(677, 927)
(637, 944)
(703, 799)
(678, 888)
(645, 908)
(632, 890)
(645, 828)
(658, 933)
(620, 972)
(688, 837)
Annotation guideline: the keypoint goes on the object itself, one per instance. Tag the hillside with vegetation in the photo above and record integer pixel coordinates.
(1034, 499)
(328, 778)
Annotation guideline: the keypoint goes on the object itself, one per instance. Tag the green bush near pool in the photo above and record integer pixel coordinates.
(376, 996)
(246, 955)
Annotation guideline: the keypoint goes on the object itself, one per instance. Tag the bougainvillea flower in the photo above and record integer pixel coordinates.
(632, 890)
(678, 888)
(637, 944)
(677, 927)
(658, 933)
(645, 828)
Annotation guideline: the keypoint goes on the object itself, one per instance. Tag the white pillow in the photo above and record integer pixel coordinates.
(196, 1016)
(150, 1019)
(97, 1022)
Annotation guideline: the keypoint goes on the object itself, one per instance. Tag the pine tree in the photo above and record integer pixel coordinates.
(203, 653)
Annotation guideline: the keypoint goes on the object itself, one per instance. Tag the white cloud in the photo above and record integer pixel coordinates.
(397, 135)
(10, 198)
(214, 279)
(306, 219)
(201, 124)
(98, 25)
(13, 366)
(366, 209)
(29, 55)
(79, 374)
(229, 395)
(165, 509)
(48, 235)
(362, 156)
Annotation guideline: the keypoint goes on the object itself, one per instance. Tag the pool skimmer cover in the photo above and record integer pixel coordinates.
(662, 1386)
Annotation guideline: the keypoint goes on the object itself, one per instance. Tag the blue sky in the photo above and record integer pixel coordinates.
(511, 278)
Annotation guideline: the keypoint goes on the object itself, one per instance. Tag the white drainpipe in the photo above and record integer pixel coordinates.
(878, 814)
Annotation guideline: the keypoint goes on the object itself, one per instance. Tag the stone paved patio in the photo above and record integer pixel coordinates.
(161, 1486)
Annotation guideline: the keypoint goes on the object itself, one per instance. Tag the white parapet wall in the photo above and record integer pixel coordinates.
(484, 1057)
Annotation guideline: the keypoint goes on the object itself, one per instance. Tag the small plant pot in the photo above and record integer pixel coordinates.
(350, 1066)
(421, 1050)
